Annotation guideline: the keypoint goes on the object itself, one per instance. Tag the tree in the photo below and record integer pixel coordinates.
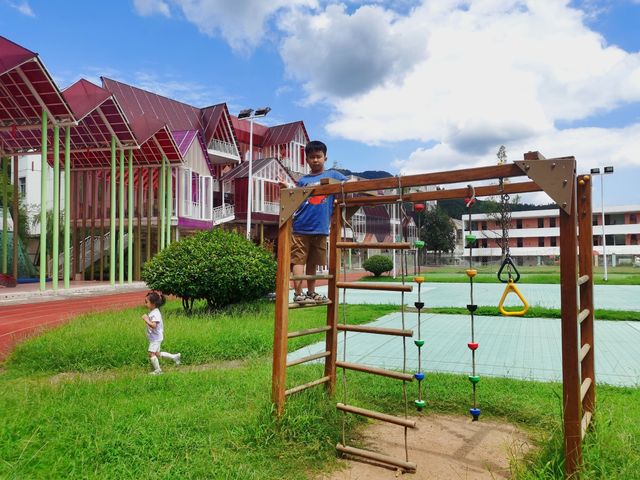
(438, 231)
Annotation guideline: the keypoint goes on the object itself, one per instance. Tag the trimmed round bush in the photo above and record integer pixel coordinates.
(217, 266)
(378, 264)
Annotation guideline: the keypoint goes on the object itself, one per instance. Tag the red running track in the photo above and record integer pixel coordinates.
(18, 322)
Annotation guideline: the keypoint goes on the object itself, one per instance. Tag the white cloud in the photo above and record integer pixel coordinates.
(241, 23)
(24, 8)
(151, 7)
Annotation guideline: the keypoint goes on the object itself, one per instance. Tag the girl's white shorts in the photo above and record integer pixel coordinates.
(154, 347)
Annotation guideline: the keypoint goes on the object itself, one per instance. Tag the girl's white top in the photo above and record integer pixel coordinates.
(155, 334)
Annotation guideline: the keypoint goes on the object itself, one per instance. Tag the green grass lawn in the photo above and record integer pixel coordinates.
(487, 274)
(77, 403)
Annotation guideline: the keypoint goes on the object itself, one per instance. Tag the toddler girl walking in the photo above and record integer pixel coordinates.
(155, 331)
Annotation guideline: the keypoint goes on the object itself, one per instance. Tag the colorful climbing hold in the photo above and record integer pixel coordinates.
(419, 305)
(418, 207)
(471, 272)
(420, 404)
(418, 279)
(475, 413)
(472, 308)
(419, 376)
(472, 346)
(419, 343)
(470, 239)
(474, 378)
(418, 243)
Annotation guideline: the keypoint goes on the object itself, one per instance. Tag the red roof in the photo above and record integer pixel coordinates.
(242, 128)
(281, 134)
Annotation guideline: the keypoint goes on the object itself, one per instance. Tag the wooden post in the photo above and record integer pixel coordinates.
(279, 373)
(585, 244)
(332, 308)
(570, 349)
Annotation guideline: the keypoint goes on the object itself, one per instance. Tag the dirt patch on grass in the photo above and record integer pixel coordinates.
(443, 447)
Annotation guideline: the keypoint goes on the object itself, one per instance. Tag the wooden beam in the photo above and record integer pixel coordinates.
(375, 286)
(376, 415)
(331, 340)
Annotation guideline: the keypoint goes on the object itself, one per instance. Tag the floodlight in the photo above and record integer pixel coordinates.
(246, 113)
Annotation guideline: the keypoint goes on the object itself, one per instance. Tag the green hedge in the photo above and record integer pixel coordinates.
(217, 266)
(378, 264)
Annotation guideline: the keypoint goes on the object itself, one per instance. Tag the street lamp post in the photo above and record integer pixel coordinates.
(250, 114)
(596, 171)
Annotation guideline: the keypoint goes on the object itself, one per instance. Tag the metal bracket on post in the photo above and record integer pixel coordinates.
(290, 200)
(555, 176)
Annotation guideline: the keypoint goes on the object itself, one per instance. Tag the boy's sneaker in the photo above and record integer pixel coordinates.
(156, 372)
(317, 297)
(176, 358)
(302, 299)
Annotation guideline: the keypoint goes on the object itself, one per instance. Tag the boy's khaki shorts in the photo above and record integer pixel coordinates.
(309, 250)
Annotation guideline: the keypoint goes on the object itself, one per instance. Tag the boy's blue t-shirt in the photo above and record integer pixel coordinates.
(314, 215)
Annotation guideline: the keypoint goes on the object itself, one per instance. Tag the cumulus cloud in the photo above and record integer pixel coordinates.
(151, 7)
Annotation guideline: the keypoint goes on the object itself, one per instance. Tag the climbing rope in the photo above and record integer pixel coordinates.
(419, 342)
(471, 273)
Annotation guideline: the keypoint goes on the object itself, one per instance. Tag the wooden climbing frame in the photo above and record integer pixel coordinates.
(557, 178)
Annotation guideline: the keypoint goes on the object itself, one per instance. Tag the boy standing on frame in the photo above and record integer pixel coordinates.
(311, 225)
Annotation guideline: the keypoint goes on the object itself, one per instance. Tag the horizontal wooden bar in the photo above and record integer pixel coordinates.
(378, 457)
(299, 388)
(583, 315)
(583, 279)
(375, 245)
(584, 388)
(377, 415)
(308, 358)
(376, 371)
(584, 350)
(308, 331)
(374, 286)
(311, 277)
(436, 178)
(379, 330)
(297, 305)
(586, 420)
(486, 191)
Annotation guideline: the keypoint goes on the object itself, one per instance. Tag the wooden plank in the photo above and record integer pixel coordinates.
(377, 330)
(308, 358)
(310, 305)
(377, 415)
(584, 350)
(331, 339)
(310, 277)
(308, 331)
(375, 371)
(279, 371)
(375, 245)
(584, 425)
(375, 286)
(584, 388)
(583, 279)
(300, 388)
(481, 191)
(583, 315)
(569, 334)
(585, 249)
(378, 457)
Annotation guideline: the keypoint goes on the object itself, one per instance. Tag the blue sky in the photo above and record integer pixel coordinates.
(405, 85)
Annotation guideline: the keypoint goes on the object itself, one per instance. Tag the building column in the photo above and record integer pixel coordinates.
(169, 201)
(43, 204)
(67, 205)
(55, 255)
(112, 226)
(130, 220)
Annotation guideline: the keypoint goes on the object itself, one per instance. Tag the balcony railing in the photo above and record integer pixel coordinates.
(223, 213)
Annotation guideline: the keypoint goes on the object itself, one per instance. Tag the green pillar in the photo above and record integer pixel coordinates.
(112, 223)
(43, 204)
(67, 204)
(121, 222)
(130, 220)
(4, 161)
(55, 255)
(163, 180)
(169, 202)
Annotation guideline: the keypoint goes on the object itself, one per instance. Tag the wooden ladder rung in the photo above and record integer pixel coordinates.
(311, 305)
(375, 245)
(376, 371)
(378, 457)
(299, 388)
(308, 358)
(311, 277)
(583, 279)
(586, 420)
(583, 315)
(380, 330)
(375, 286)
(584, 350)
(308, 331)
(377, 415)
(584, 388)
